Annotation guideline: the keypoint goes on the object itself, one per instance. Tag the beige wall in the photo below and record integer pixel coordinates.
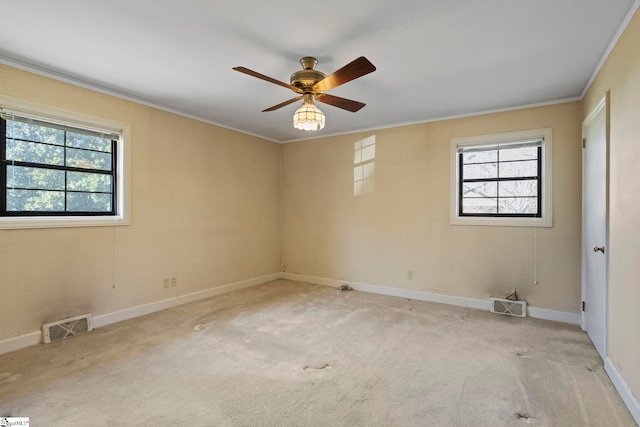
(404, 225)
(205, 210)
(621, 76)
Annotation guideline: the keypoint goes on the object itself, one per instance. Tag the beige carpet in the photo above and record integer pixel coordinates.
(292, 354)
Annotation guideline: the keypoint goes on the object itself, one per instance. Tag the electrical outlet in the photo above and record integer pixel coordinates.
(409, 275)
(174, 281)
(166, 283)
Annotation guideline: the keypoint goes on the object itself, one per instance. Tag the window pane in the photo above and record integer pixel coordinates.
(518, 205)
(35, 201)
(88, 202)
(20, 130)
(369, 170)
(357, 173)
(91, 182)
(480, 189)
(21, 151)
(34, 178)
(528, 153)
(88, 159)
(88, 142)
(519, 169)
(479, 206)
(518, 188)
(51, 169)
(501, 178)
(357, 157)
(369, 141)
(480, 157)
(368, 153)
(483, 171)
(357, 188)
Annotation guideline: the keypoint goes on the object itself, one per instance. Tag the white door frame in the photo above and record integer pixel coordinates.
(604, 103)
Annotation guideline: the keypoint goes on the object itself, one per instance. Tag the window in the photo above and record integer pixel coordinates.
(56, 170)
(61, 169)
(502, 179)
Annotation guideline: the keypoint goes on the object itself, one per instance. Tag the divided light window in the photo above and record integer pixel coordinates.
(501, 179)
(52, 169)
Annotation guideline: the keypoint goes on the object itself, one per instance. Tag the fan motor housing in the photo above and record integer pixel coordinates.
(308, 76)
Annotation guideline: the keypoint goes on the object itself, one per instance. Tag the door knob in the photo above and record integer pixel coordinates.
(598, 249)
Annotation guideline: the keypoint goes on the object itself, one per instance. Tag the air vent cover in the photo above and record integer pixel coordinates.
(508, 306)
(65, 328)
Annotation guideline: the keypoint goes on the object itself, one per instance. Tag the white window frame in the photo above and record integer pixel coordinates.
(546, 220)
(123, 172)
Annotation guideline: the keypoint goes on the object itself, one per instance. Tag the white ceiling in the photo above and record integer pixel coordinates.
(434, 58)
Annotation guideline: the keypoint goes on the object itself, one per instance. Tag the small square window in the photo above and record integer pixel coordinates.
(502, 179)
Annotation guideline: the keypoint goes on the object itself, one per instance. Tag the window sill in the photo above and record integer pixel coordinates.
(14, 223)
(502, 222)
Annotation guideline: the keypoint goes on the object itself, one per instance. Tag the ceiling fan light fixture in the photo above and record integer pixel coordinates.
(308, 117)
(310, 83)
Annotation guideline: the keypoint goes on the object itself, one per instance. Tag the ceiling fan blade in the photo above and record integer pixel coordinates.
(353, 70)
(336, 101)
(267, 78)
(282, 104)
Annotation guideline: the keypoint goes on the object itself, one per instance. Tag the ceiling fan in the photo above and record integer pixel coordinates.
(311, 85)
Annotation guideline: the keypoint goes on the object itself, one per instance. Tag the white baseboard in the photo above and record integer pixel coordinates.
(33, 338)
(152, 307)
(623, 389)
(314, 280)
(538, 313)
(21, 341)
(555, 315)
